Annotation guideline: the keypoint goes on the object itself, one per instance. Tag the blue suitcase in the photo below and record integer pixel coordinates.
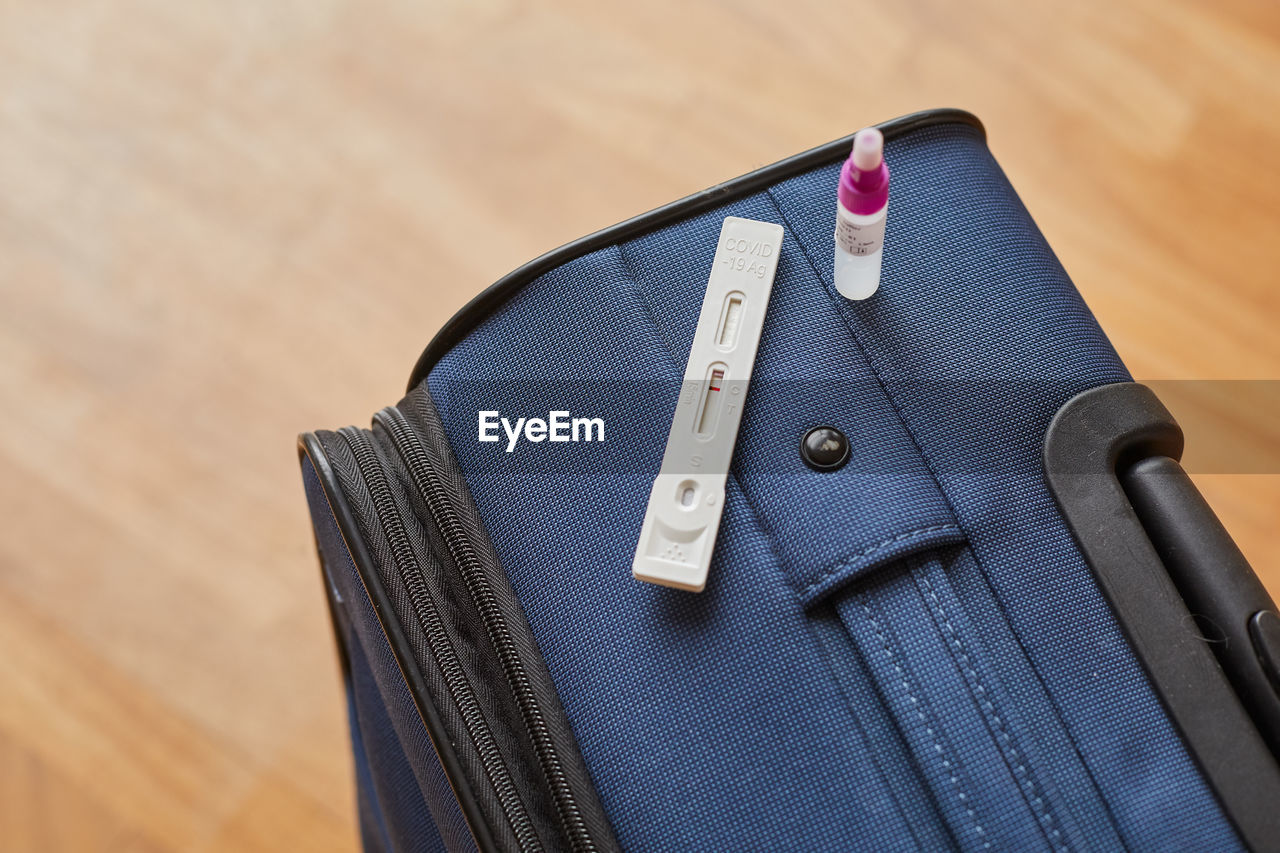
(975, 634)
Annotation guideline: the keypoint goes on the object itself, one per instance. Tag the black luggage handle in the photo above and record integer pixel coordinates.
(1160, 555)
(1230, 605)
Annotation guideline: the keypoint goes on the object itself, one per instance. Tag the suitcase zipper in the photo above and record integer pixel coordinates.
(445, 658)
(413, 454)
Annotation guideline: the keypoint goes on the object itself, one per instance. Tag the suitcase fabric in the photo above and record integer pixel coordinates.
(909, 653)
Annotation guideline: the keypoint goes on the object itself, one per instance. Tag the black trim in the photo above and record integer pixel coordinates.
(311, 450)
(344, 655)
(1097, 439)
(493, 297)
(416, 437)
(1213, 578)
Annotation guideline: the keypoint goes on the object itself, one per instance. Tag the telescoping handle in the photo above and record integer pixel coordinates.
(1194, 612)
(1231, 607)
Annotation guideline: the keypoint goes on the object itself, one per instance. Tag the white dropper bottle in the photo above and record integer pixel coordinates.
(861, 210)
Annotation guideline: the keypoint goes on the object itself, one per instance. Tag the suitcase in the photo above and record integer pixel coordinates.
(975, 634)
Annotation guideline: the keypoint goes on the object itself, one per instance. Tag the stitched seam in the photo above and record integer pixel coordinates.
(882, 766)
(671, 354)
(764, 533)
(1002, 735)
(948, 766)
(875, 371)
(647, 305)
(865, 350)
(847, 561)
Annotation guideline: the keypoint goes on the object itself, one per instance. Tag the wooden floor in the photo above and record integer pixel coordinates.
(225, 222)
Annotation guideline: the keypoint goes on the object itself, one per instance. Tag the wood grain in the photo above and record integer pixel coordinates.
(223, 223)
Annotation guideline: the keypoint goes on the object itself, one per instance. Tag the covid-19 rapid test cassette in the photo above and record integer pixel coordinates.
(680, 526)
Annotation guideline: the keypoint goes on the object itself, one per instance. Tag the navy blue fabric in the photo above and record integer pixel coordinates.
(981, 341)
(1018, 713)
(373, 829)
(737, 719)
(893, 501)
(404, 799)
(935, 674)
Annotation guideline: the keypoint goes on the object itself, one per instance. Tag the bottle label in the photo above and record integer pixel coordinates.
(860, 238)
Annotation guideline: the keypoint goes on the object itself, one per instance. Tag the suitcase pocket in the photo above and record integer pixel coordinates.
(963, 727)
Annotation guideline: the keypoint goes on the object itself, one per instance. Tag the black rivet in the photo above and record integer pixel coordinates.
(824, 448)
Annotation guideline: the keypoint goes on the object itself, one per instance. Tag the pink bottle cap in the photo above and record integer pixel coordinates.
(864, 178)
